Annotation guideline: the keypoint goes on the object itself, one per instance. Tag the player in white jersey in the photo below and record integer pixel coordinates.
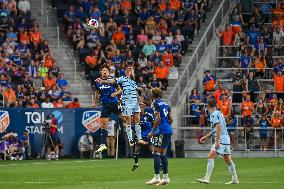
(130, 103)
(221, 146)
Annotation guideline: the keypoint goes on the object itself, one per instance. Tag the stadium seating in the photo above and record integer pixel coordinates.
(252, 44)
(30, 77)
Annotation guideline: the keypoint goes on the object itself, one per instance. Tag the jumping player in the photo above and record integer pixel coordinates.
(221, 146)
(162, 133)
(108, 96)
(146, 123)
(130, 103)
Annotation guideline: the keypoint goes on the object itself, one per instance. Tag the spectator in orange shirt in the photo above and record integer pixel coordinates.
(59, 103)
(259, 64)
(218, 93)
(91, 62)
(9, 96)
(35, 36)
(163, 5)
(277, 122)
(224, 105)
(168, 59)
(48, 61)
(227, 39)
(162, 73)
(32, 104)
(174, 4)
(208, 81)
(24, 37)
(49, 82)
(279, 82)
(126, 5)
(247, 107)
(74, 104)
(118, 36)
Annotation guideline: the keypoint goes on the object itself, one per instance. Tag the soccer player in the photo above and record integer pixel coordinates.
(130, 103)
(162, 133)
(108, 95)
(221, 146)
(146, 123)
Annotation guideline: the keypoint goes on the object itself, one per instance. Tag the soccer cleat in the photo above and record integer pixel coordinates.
(203, 180)
(154, 181)
(164, 182)
(135, 166)
(131, 143)
(233, 182)
(101, 148)
(142, 142)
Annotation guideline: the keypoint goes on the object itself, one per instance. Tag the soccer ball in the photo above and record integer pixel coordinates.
(93, 24)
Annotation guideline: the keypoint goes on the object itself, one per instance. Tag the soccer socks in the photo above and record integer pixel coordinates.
(232, 170)
(129, 132)
(138, 131)
(135, 157)
(104, 134)
(210, 167)
(164, 161)
(157, 161)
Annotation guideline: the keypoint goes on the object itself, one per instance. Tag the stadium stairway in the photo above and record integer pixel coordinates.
(195, 42)
(62, 53)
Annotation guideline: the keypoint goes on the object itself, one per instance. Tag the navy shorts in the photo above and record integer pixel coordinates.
(107, 109)
(162, 141)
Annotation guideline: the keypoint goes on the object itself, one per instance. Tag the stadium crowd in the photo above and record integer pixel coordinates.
(252, 48)
(29, 75)
(148, 35)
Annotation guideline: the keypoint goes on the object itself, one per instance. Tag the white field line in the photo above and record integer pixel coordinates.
(48, 162)
(126, 182)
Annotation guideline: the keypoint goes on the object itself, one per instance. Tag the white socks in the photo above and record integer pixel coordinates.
(210, 167)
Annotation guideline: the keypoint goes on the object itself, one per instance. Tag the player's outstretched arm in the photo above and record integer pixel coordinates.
(96, 96)
(117, 92)
(108, 81)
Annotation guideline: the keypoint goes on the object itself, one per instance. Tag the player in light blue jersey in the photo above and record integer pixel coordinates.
(221, 146)
(162, 132)
(130, 103)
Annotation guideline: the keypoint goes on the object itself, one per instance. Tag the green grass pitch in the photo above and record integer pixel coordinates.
(259, 173)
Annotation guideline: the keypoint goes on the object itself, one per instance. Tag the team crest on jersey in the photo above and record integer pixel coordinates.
(4, 120)
(91, 120)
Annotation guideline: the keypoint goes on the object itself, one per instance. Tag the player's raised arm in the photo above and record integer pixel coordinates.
(108, 81)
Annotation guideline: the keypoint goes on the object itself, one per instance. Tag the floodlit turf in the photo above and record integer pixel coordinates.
(256, 173)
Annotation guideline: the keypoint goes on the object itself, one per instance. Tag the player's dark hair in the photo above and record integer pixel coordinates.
(157, 92)
(212, 103)
(105, 66)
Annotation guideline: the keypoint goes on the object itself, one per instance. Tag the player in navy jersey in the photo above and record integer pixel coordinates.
(221, 146)
(162, 132)
(146, 123)
(130, 103)
(108, 97)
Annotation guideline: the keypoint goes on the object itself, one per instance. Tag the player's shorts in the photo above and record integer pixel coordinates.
(131, 107)
(107, 109)
(223, 150)
(162, 141)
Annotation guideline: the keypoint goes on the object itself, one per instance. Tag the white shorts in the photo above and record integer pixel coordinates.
(131, 107)
(223, 150)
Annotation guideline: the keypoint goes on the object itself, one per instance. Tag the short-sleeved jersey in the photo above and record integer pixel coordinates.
(216, 117)
(146, 124)
(159, 106)
(129, 87)
(105, 91)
